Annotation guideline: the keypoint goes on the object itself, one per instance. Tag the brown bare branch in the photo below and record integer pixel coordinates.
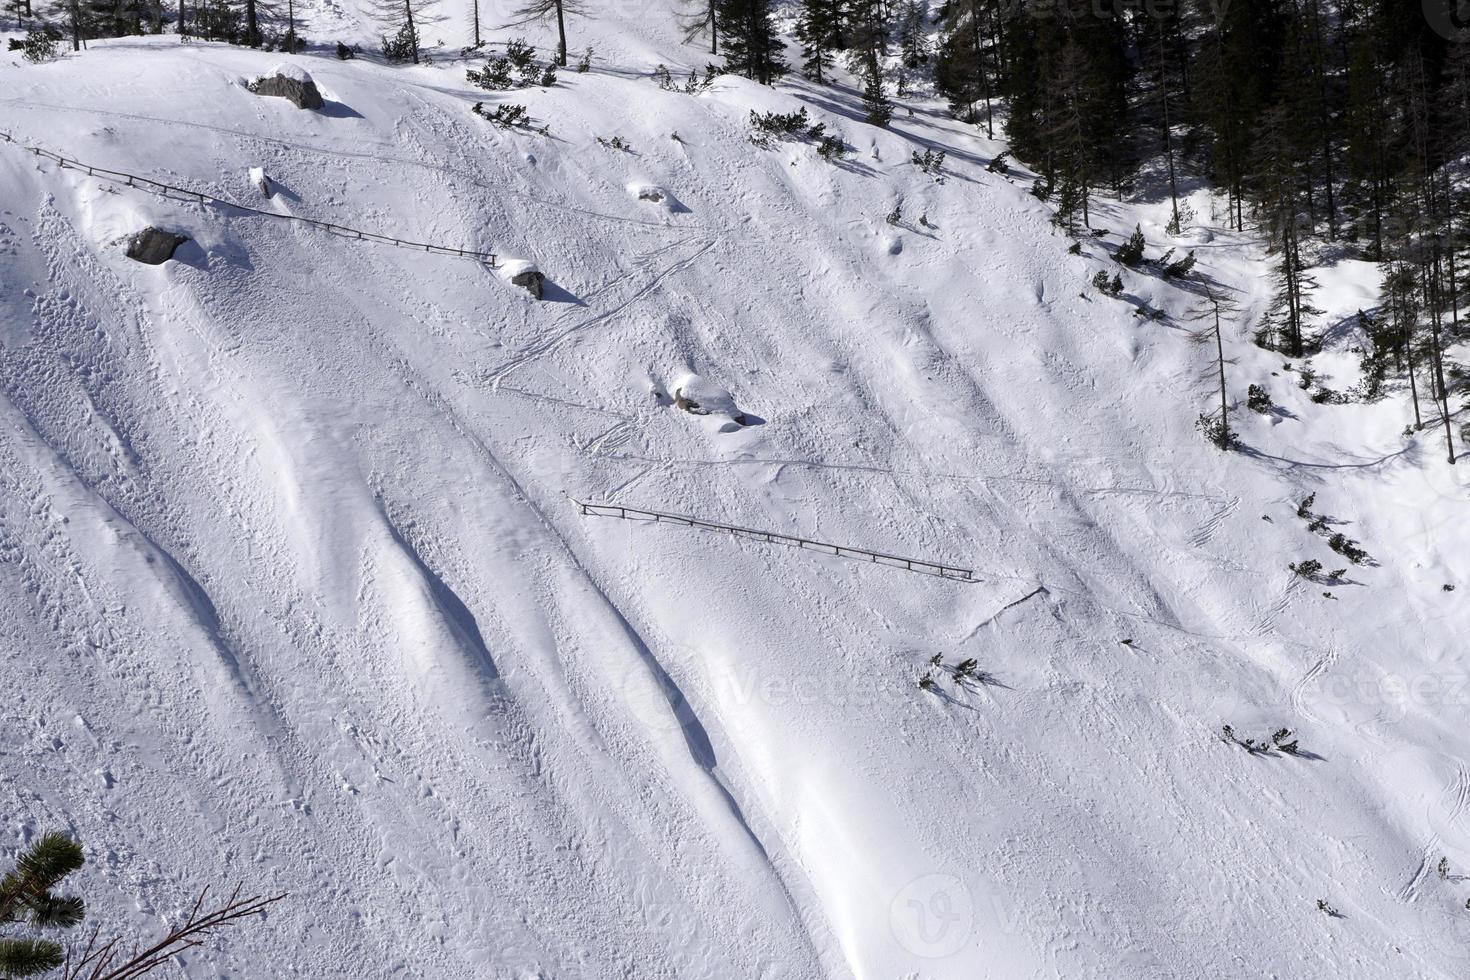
(100, 962)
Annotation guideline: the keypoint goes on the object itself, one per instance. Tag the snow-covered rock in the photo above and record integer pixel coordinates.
(154, 246)
(651, 193)
(276, 557)
(698, 396)
(523, 273)
(260, 181)
(291, 82)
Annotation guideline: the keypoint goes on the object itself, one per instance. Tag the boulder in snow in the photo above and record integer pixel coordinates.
(261, 181)
(697, 396)
(519, 272)
(288, 82)
(154, 246)
(648, 192)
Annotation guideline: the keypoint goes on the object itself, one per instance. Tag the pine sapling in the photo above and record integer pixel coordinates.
(1307, 569)
(1131, 252)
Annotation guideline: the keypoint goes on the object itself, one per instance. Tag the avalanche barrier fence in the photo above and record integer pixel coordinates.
(173, 193)
(936, 569)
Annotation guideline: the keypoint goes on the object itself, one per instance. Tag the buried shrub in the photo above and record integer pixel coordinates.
(1282, 740)
(1216, 430)
(1180, 268)
(507, 115)
(1309, 568)
(40, 44)
(1258, 399)
(1348, 548)
(1108, 286)
(929, 162)
(517, 69)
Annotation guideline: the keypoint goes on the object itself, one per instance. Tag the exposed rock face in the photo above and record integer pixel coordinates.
(154, 246)
(519, 272)
(531, 281)
(289, 82)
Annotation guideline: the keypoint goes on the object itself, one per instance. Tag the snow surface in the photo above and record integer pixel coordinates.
(291, 591)
(285, 70)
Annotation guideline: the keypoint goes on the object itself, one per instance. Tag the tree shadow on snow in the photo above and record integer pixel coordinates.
(1407, 454)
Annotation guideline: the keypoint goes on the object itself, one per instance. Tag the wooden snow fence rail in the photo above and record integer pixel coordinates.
(937, 569)
(184, 194)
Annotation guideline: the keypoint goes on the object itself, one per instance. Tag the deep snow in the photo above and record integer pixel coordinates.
(291, 591)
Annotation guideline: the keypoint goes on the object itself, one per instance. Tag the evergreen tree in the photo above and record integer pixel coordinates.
(877, 109)
(752, 47)
(1067, 79)
(28, 895)
(913, 43)
(1291, 308)
(406, 19)
(962, 70)
(867, 24)
(816, 29)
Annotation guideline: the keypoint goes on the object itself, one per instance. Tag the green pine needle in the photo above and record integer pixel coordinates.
(50, 912)
(29, 957)
(50, 859)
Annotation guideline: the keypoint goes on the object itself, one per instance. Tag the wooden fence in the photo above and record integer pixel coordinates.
(936, 569)
(184, 194)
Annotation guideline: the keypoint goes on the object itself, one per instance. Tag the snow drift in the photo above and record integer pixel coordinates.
(290, 592)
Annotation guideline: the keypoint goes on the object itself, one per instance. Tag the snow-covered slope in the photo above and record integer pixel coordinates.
(292, 591)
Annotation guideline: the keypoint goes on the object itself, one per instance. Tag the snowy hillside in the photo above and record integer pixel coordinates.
(293, 591)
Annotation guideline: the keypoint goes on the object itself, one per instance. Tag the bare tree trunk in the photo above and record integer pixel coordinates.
(1168, 133)
(1220, 359)
(979, 43)
(1408, 331)
(1434, 322)
(561, 33)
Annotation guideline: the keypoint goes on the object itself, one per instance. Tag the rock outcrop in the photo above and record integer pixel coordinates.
(519, 272)
(291, 83)
(154, 246)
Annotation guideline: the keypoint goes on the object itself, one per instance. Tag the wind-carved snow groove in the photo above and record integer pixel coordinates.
(452, 610)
